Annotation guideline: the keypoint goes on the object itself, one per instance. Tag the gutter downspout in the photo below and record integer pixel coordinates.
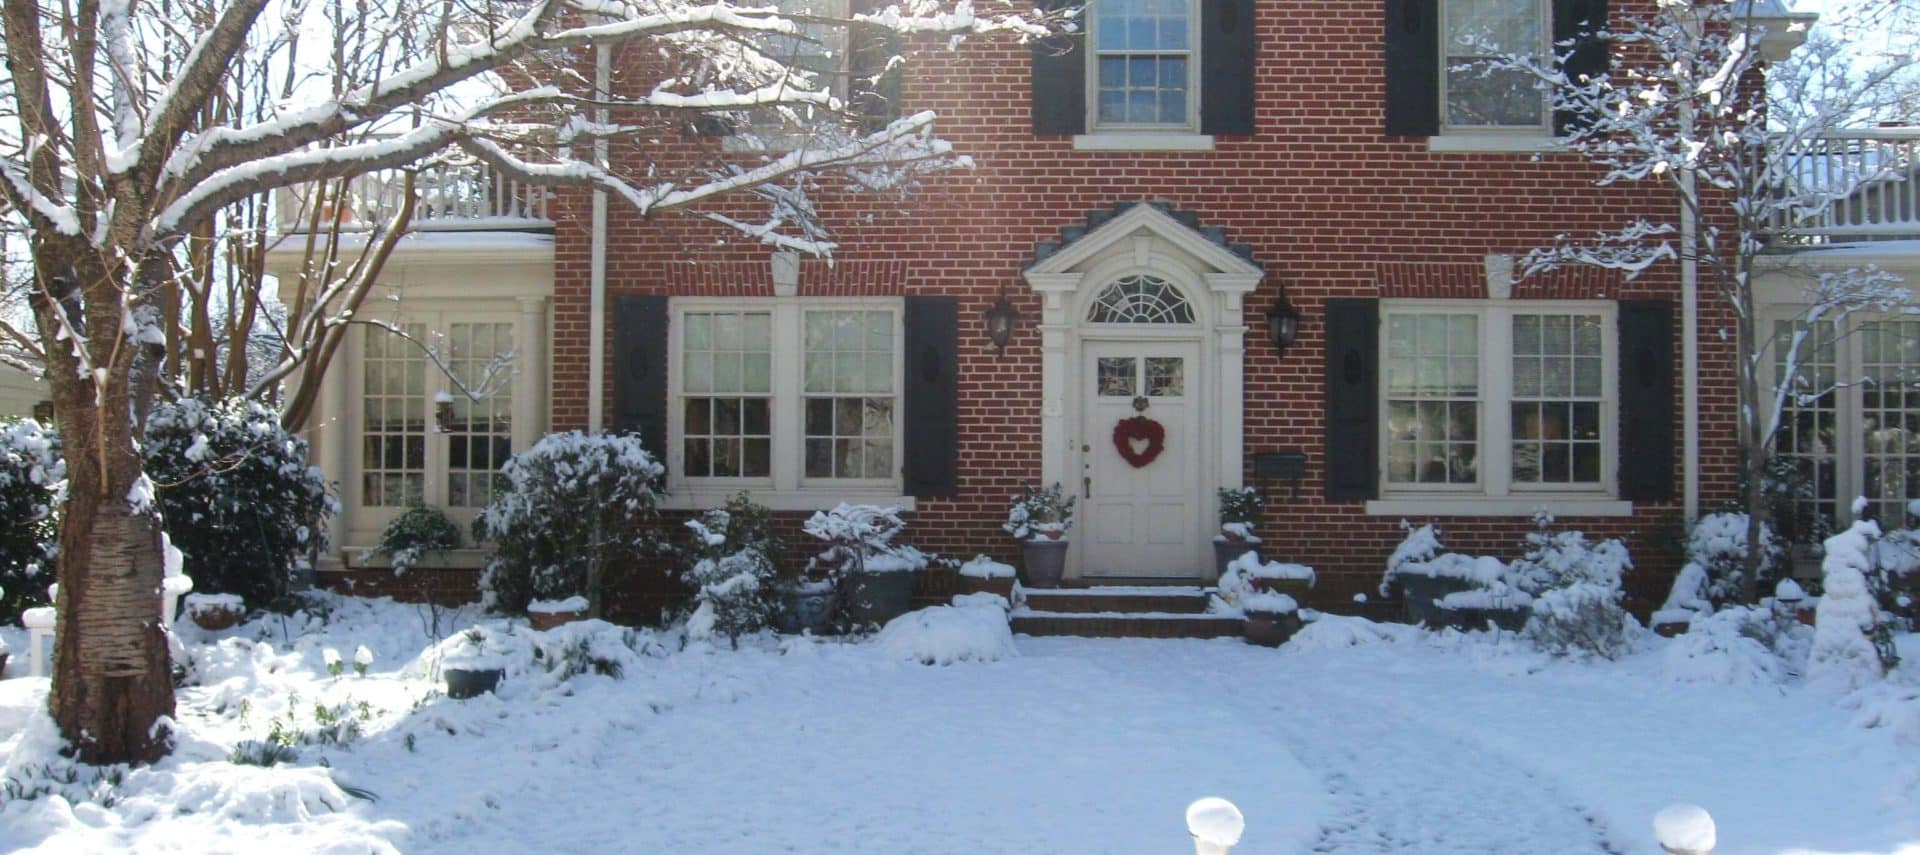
(1690, 349)
(597, 258)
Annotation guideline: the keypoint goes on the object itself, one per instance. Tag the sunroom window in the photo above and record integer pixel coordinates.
(436, 404)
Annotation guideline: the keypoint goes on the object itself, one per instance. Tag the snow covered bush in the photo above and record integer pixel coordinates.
(31, 474)
(1896, 573)
(1717, 561)
(415, 534)
(1575, 584)
(1737, 645)
(1852, 643)
(575, 510)
(943, 635)
(1247, 574)
(859, 539)
(1240, 512)
(733, 569)
(236, 495)
(1040, 512)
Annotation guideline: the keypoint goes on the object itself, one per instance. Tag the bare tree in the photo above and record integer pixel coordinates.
(136, 135)
(1695, 104)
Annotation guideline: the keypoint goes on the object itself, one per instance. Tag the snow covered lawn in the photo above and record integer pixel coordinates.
(1404, 742)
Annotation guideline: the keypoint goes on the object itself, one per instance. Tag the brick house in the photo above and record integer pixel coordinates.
(1149, 198)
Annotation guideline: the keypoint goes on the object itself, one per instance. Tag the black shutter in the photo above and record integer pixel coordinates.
(1352, 409)
(1413, 68)
(931, 428)
(1579, 22)
(873, 86)
(640, 370)
(1646, 400)
(1227, 52)
(1060, 78)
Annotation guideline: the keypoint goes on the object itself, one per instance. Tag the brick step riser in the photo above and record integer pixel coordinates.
(1093, 603)
(1127, 627)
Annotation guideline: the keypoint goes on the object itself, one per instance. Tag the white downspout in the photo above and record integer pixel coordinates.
(1689, 343)
(597, 263)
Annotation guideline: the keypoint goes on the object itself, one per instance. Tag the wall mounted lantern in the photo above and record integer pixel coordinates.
(1001, 318)
(1283, 323)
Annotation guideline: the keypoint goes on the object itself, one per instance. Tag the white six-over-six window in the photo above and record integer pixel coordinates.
(1497, 399)
(1146, 65)
(1477, 97)
(774, 395)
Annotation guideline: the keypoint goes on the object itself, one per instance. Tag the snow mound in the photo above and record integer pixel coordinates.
(983, 567)
(250, 794)
(943, 635)
(1716, 650)
(1333, 632)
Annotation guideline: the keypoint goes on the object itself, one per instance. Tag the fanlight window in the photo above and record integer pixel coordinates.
(1140, 300)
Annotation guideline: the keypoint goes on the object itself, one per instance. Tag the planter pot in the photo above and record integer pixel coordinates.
(872, 599)
(805, 608)
(548, 620)
(1002, 585)
(215, 611)
(1225, 551)
(1046, 562)
(464, 683)
(1672, 628)
(1474, 620)
(1418, 593)
(1295, 588)
(1271, 630)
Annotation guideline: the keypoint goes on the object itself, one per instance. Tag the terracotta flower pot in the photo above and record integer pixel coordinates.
(548, 620)
(213, 614)
(1002, 585)
(1270, 630)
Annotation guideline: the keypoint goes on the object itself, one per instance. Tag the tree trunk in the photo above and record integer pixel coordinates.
(112, 680)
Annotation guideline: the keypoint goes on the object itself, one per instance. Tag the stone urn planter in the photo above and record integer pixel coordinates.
(547, 614)
(1420, 596)
(873, 597)
(1045, 560)
(806, 605)
(1476, 609)
(215, 612)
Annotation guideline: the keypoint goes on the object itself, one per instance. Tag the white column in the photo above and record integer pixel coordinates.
(530, 382)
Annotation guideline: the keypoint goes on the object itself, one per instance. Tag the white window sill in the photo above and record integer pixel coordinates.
(1142, 141)
(1510, 506)
(1472, 142)
(684, 498)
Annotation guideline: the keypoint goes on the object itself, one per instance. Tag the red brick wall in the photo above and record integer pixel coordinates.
(1330, 205)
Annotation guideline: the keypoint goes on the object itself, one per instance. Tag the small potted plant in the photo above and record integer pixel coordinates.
(1240, 509)
(472, 661)
(1294, 580)
(215, 611)
(732, 571)
(876, 574)
(547, 614)
(1271, 618)
(984, 575)
(1040, 518)
(418, 532)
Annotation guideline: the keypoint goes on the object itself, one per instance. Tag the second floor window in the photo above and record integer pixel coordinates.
(1475, 34)
(1145, 61)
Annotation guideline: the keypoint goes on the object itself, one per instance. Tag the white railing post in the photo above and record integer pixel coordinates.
(1216, 826)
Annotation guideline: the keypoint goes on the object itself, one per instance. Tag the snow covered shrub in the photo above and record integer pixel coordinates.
(1040, 512)
(576, 509)
(415, 534)
(1852, 643)
(236, 495)
(1896, 573)
(1422, 544)
(1240, 512)
(733, 569)
(1717, 548)
(859, 539)
(31, 472)
(1575, 583)
(1737, 645)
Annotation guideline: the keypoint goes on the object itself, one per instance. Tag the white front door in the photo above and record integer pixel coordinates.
(1141, 518)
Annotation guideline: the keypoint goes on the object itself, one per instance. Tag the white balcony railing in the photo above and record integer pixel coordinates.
(462, 196)
(1873, 179)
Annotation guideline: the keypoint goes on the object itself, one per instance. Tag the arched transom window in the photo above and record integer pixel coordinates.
(1140, 299)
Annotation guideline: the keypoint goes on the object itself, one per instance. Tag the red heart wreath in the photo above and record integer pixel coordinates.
(1139, 429)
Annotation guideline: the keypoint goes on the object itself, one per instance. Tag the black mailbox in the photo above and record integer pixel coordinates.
(1288, 465)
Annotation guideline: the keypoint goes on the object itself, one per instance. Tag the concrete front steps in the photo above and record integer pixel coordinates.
(1120, 611)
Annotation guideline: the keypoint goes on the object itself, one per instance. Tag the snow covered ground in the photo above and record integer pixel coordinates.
(1356, 738)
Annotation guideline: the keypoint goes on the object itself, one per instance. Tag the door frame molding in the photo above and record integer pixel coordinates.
(1144, 239)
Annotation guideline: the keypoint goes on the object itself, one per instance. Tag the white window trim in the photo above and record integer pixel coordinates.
(1496, 494)
(786, 488)
(1143, 141)
(1185, 136)
(1496, 137)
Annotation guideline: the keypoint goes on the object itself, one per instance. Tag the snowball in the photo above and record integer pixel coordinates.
(1215, 821)
(1684, 828)
(362, 656)
(943, 635)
